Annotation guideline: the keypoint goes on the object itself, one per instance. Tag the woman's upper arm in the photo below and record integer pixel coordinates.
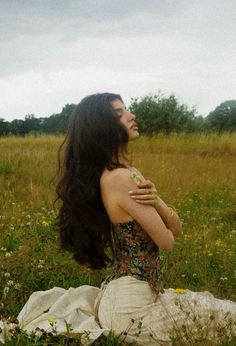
(145, 215)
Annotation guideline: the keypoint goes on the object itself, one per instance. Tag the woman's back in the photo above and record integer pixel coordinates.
(108, 190)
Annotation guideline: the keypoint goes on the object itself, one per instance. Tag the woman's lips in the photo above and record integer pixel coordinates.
(134, 127)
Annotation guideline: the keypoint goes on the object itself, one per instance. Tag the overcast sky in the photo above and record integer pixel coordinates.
(54, 52)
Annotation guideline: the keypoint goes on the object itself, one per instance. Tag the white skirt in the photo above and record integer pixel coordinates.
(131, 309)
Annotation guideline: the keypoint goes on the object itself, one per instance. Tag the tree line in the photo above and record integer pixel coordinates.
(156, 113)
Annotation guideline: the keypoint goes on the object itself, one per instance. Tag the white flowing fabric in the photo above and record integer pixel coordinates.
(128, 307)
(60, 307)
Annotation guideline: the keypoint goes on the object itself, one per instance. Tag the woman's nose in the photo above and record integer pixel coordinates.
(131, 116)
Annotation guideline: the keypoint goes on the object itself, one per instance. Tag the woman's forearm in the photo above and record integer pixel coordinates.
(169, 217)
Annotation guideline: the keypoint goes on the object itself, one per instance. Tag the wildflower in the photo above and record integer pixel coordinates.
(180, 290)
(8, 254)
(5, 291)
(51, 321)
(40, 266)
(224, 278)
(10, 283)
(3, 249)
(17, 286)
(7, 275)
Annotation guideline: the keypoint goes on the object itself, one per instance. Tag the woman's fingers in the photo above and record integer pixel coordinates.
(144, 197)
(145, 194)
(146, 184)
(142, 192)
(149, 201)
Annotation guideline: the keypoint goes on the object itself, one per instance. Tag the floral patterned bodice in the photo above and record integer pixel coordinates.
(135, 254)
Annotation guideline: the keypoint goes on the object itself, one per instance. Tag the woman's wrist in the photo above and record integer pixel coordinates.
(169, 217)
(163, 210)
(157, 203)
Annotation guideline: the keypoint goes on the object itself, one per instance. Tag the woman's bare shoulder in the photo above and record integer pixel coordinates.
(115, 176)
(117, 181)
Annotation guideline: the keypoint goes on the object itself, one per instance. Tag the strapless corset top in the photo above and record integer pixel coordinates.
(135, 254)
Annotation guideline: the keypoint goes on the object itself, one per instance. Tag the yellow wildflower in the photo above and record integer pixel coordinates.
(51, 321)
(180, 290)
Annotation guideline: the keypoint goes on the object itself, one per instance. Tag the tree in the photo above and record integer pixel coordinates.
(57, 122)
(18, 127)
(4, 127)
(31, 123)
(162, 114)
(223, 118)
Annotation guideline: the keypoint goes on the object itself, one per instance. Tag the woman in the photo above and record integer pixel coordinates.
(106, 203)
(104, 200)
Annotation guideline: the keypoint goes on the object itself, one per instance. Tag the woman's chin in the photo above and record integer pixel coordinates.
(133, 135)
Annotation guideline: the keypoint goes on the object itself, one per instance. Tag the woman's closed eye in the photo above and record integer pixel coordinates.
(120, 112)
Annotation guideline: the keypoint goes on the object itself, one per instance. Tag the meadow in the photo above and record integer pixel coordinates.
(194, 173)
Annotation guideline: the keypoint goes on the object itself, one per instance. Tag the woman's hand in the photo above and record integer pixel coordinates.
(145, 194)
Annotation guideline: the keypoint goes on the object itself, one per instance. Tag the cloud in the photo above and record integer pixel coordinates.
(48, 48)
(55, 89)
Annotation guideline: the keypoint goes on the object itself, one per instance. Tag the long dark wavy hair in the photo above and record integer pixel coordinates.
(94, 140)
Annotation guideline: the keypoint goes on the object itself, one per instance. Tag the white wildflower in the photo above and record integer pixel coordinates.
(17, 286)
(224, 278)
(10, 283)
(5, 291)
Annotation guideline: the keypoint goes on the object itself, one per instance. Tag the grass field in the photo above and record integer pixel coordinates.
(194, 173)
